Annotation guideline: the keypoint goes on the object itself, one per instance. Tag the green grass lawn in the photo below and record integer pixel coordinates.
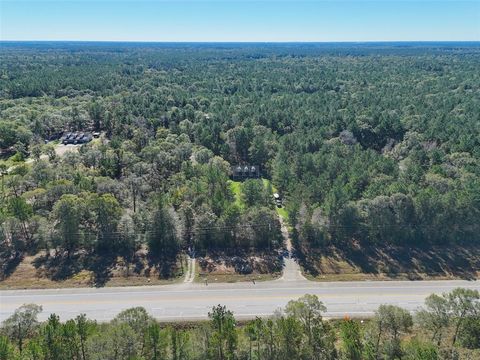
(266, 182)
(282, 212)
(236, 187)
(237, 191)
(7, 163)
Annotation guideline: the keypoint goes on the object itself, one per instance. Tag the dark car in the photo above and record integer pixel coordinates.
(78, 138)
(66, 138)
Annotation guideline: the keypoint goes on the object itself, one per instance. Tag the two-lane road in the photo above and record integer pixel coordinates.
(191, 301)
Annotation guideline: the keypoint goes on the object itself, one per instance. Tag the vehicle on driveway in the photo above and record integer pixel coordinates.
(278, 200)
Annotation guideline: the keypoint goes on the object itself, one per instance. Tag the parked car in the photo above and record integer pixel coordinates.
(277, 199)
(66, 138)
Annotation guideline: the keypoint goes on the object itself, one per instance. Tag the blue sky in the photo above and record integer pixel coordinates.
(248, 20)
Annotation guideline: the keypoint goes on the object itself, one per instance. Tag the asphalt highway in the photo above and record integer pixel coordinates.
(192, 301)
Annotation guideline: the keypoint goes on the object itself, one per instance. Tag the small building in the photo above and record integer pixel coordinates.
(76, 138)
(245, 171)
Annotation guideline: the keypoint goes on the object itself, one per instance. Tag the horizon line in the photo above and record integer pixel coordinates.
(243, 41)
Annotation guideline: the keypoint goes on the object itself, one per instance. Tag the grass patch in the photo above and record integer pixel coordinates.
(282, 212)
(233, 278)
(8, 163)
(236, 187)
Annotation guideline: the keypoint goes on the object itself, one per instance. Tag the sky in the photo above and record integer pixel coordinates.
(240, 21)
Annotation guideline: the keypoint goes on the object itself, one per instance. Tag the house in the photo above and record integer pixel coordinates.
(241, 172)
(76, 138)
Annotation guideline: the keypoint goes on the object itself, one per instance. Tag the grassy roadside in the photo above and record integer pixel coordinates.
(29, 276)
(392, 263)
(221, 268)
(81, 280)
(346, 277)
(233, 278)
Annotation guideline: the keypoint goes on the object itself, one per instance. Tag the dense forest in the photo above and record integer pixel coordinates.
(374, 144)
(448, 327)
